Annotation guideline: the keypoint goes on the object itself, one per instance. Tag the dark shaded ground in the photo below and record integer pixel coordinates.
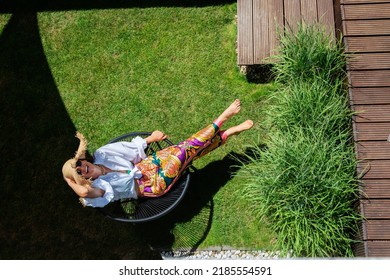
(10, 6)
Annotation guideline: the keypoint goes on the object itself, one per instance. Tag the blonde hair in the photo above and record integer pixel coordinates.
(81, 151)
(69, 167)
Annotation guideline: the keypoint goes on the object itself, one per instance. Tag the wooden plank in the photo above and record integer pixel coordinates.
(376, 209)
(267, 21)
(261, 30)
(292, 13)
(374, 169)
(369, 61)
(370, 78)
(372, 249)
(378, 248)
(361, 1)
(309, 11)
(245, 32)
(375, 189)
(372, 131)
(326, 17)
(367, 44)
(375, 95)
(366, 27)
(378, 229)
(372, 113)
(367, 11)
(373, 150)
(276, 24)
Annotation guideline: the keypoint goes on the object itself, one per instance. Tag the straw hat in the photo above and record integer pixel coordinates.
(69, 168)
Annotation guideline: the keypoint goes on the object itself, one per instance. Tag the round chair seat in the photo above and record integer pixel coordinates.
(147, 209)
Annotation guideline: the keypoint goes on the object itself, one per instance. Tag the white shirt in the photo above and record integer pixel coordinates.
(118, 185)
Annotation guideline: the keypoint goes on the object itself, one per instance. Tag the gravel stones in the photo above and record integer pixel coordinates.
(220, 255)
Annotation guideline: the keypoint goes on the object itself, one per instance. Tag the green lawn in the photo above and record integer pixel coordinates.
(105, 72)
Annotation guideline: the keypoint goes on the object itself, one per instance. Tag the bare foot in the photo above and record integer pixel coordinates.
(230, 111)
(235, 130)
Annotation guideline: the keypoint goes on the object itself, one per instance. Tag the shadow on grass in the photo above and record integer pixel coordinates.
(10, 6)
(259, 74)
(40, 215)
(195, 212)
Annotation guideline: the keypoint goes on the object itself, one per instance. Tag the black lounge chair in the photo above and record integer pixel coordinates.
(147, 208)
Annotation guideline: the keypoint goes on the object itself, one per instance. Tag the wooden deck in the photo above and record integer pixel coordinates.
(366, 29)
(259, 22)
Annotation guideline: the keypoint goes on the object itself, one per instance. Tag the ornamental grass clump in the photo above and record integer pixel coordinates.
(309, 53)
(303, 184)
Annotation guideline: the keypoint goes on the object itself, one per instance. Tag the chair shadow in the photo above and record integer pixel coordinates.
(195, 211)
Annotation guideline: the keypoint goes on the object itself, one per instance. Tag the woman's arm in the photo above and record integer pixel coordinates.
(83, 191)
(155, 136)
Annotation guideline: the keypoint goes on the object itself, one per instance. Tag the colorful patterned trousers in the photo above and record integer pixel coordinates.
(160, 169)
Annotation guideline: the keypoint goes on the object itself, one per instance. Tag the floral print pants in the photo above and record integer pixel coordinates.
(160, 169)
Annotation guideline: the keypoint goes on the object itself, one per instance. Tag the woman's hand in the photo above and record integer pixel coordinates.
(155, 137)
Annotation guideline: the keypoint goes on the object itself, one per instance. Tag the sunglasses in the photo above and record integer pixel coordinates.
(78, 164)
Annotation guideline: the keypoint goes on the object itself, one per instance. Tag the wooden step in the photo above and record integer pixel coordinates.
(378, 229)
(373, 249)
(373, 150)
(378, 248)
(370, 78)
(375, 189)
(366, 11)
(369, 61)
(367, 44)
(370, 96)
(376, 209)
(374, 169)
(371, 131)
(367, 27)
(361, 1)
(372, 113)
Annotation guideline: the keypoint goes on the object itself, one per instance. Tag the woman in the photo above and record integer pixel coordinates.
(122, 169)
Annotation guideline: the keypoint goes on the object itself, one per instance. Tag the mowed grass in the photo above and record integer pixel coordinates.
(105, 73)
(170, 68)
